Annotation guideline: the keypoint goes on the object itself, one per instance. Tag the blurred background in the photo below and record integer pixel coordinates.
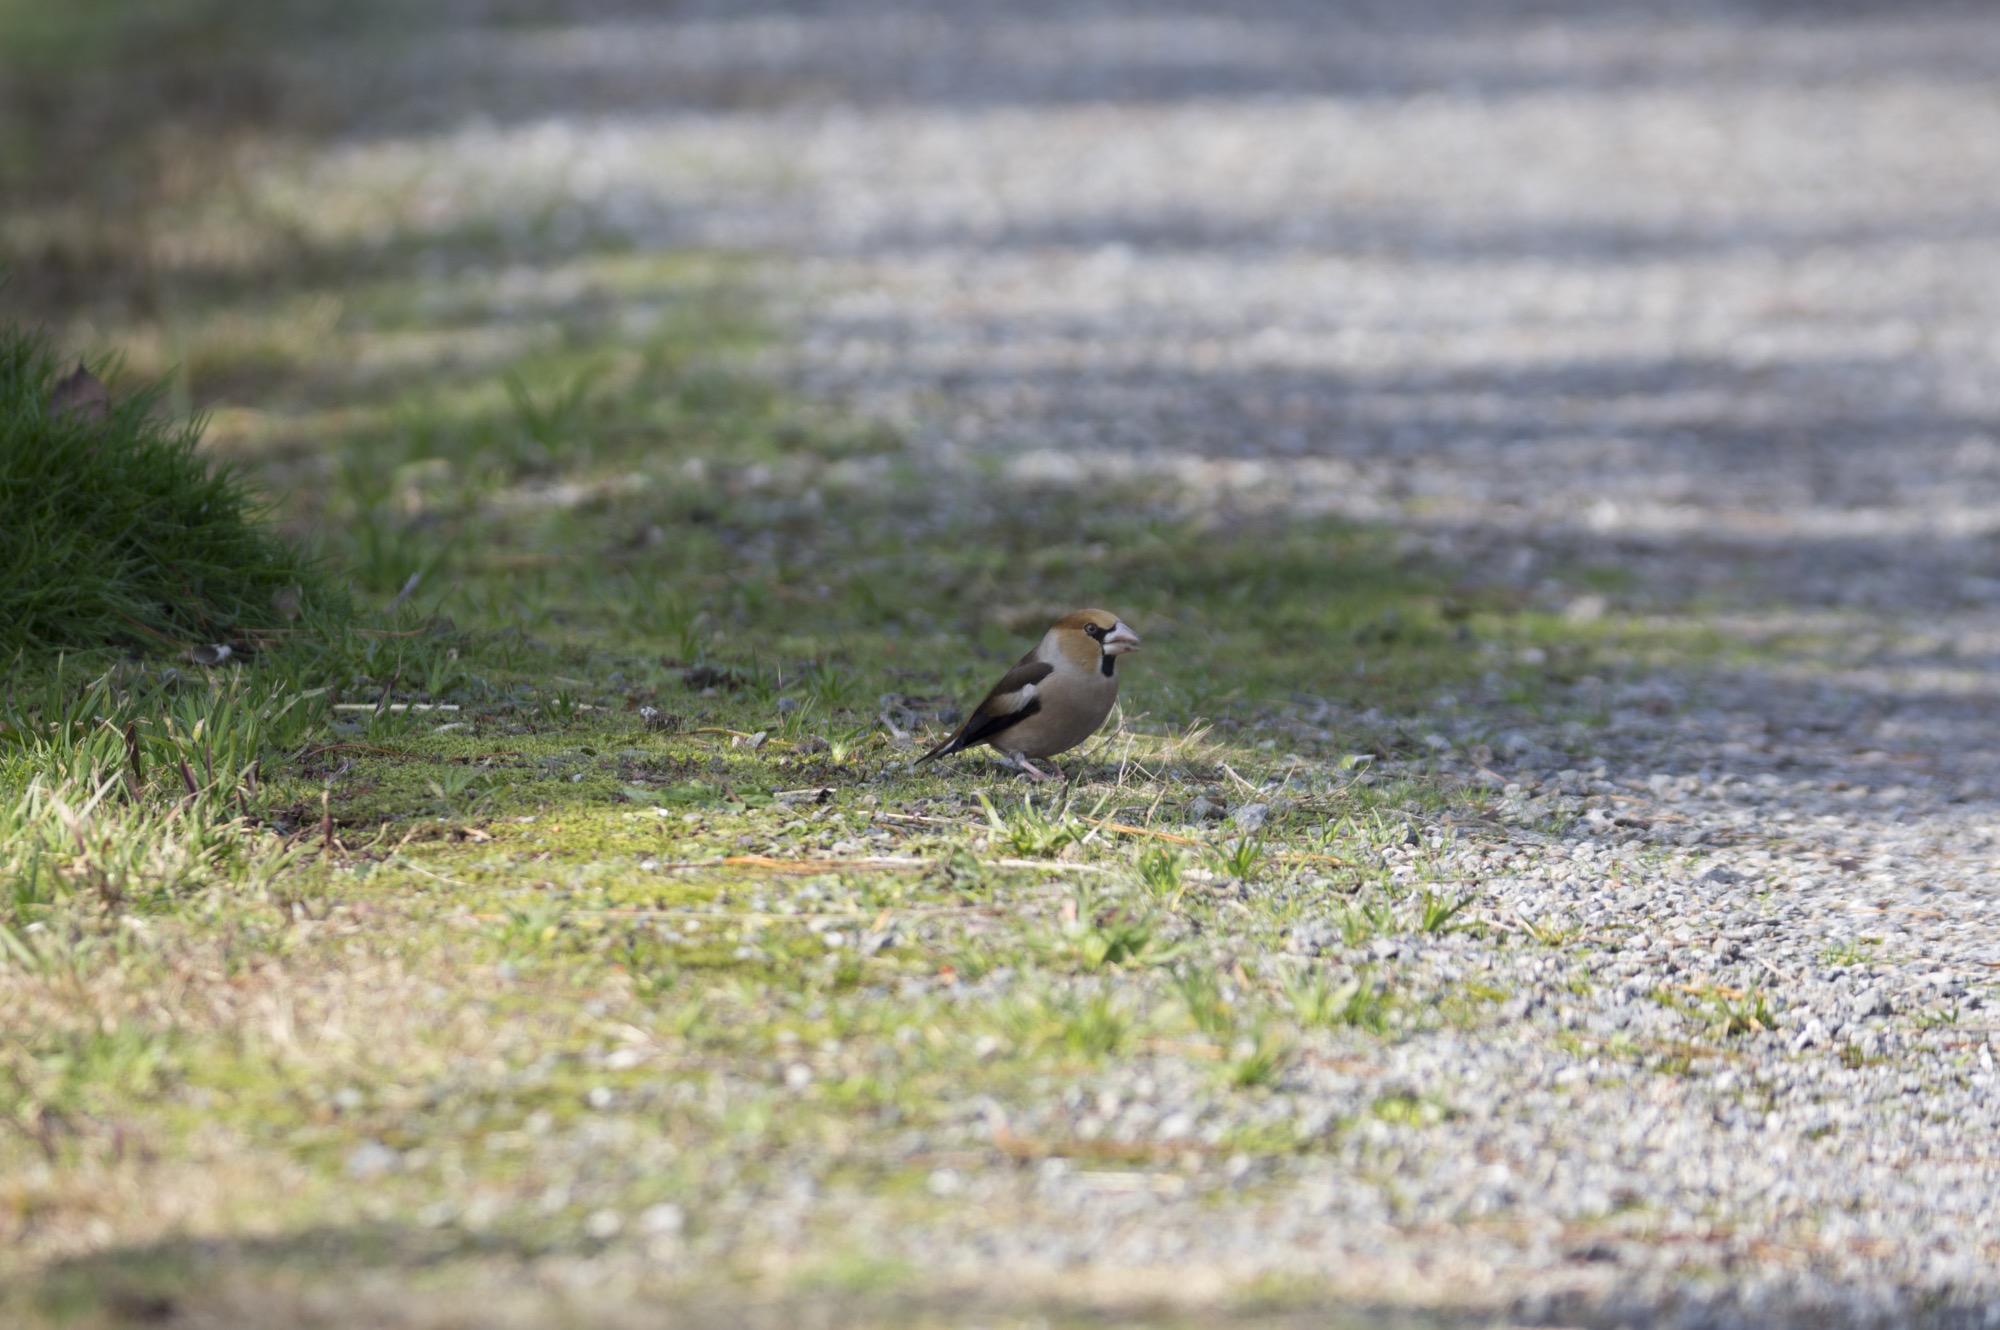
(1704, 291)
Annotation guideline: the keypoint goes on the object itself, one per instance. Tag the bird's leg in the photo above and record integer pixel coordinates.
(1026, 768)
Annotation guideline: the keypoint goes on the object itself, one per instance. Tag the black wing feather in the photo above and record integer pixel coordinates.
(986, 720)
(984, 729)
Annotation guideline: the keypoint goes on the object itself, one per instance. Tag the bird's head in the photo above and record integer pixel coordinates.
(1094, 635)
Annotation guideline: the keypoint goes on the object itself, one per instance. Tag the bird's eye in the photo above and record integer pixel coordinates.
(1094, 630)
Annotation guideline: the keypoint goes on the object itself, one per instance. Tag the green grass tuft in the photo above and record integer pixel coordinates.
(118, 534)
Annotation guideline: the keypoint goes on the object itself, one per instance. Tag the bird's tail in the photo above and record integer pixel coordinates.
(945, 749)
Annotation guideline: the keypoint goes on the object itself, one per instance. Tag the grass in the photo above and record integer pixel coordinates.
(1724, 1013)
(577, 866)
(119, 536)
(1853, 951)
(1359, 1001)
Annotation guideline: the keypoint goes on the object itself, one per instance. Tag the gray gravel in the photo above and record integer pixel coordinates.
(1708, 293)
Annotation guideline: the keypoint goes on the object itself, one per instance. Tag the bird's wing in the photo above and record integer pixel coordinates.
(1012, 701)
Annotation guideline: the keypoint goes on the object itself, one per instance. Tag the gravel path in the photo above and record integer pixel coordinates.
(1708, 293)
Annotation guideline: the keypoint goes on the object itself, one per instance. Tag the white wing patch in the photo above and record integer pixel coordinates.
(1019, 699)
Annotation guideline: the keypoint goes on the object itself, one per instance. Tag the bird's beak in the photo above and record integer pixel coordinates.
(1120, 640)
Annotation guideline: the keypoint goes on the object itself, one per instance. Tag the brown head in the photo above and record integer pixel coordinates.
(1093, 638)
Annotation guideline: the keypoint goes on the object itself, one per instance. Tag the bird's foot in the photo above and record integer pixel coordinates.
(1028, 769)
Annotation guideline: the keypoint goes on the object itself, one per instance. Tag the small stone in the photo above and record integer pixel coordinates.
(603, 1225)
(662, 1220)
(1250, 818)
(372, 1159)
(1586, 609)
(1309, 939)
(1810, 1035)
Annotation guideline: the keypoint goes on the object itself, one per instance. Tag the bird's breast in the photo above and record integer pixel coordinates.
(1071, 711)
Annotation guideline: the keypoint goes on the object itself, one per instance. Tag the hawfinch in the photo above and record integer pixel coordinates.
(1055, 698)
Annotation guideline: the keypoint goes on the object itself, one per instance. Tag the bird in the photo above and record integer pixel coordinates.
(1055, 698)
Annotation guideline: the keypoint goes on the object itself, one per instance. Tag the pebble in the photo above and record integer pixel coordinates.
(662, 1219)
(372, 1159)
(1250, 818)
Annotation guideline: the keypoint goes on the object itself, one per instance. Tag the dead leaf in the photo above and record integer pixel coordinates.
(81, 394)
